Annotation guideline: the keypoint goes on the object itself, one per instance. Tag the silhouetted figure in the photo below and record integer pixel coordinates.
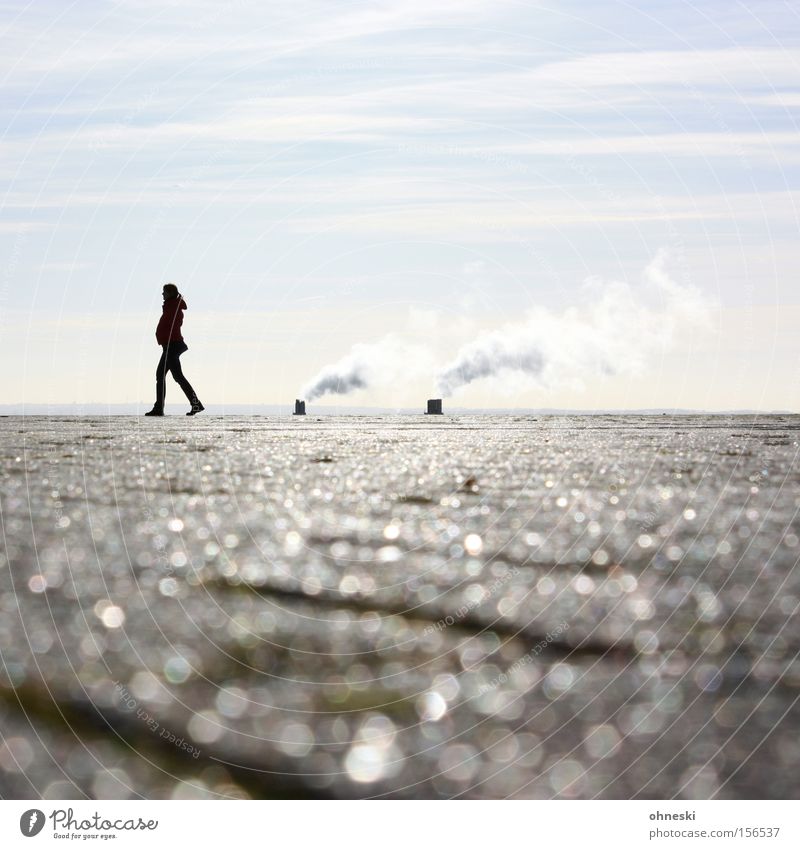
(168, 335)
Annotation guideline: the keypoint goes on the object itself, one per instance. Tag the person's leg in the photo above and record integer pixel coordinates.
(161, 381)
(174, 365)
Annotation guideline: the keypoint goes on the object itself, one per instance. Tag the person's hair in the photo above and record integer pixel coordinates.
(171, 290)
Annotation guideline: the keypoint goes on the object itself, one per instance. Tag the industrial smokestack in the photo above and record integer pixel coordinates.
(299, 407)
(434, 407)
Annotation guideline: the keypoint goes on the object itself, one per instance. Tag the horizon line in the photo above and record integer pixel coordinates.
(131, 408)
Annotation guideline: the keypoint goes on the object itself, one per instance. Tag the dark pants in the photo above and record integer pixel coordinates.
(171, 362)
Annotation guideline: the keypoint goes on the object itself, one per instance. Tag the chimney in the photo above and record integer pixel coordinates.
(434, 407)
(299, 408)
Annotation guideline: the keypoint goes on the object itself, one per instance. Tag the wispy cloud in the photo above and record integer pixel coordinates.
(734, 66)
(494, 220)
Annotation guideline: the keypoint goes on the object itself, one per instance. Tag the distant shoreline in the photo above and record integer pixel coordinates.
(78, 410)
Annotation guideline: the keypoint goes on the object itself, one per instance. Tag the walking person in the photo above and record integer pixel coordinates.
(168, 335)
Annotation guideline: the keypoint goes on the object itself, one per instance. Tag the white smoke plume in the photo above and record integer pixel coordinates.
(390, 360)
(617, 332)
(340, 378)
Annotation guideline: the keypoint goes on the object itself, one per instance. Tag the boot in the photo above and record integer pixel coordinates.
(156, 411)
(197, 407)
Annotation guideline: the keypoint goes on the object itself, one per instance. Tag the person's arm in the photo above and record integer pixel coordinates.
(162, 330)
(177, 319)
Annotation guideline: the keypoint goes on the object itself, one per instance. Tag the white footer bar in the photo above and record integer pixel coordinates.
(401, 824)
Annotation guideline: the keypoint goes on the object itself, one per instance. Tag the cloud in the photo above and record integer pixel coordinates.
(487, 221)
(674, 68)
(66, 265)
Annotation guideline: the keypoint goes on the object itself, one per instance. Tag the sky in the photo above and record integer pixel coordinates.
(573, 204)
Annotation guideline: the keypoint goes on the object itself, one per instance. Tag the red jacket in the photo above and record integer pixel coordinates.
(169, 325)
